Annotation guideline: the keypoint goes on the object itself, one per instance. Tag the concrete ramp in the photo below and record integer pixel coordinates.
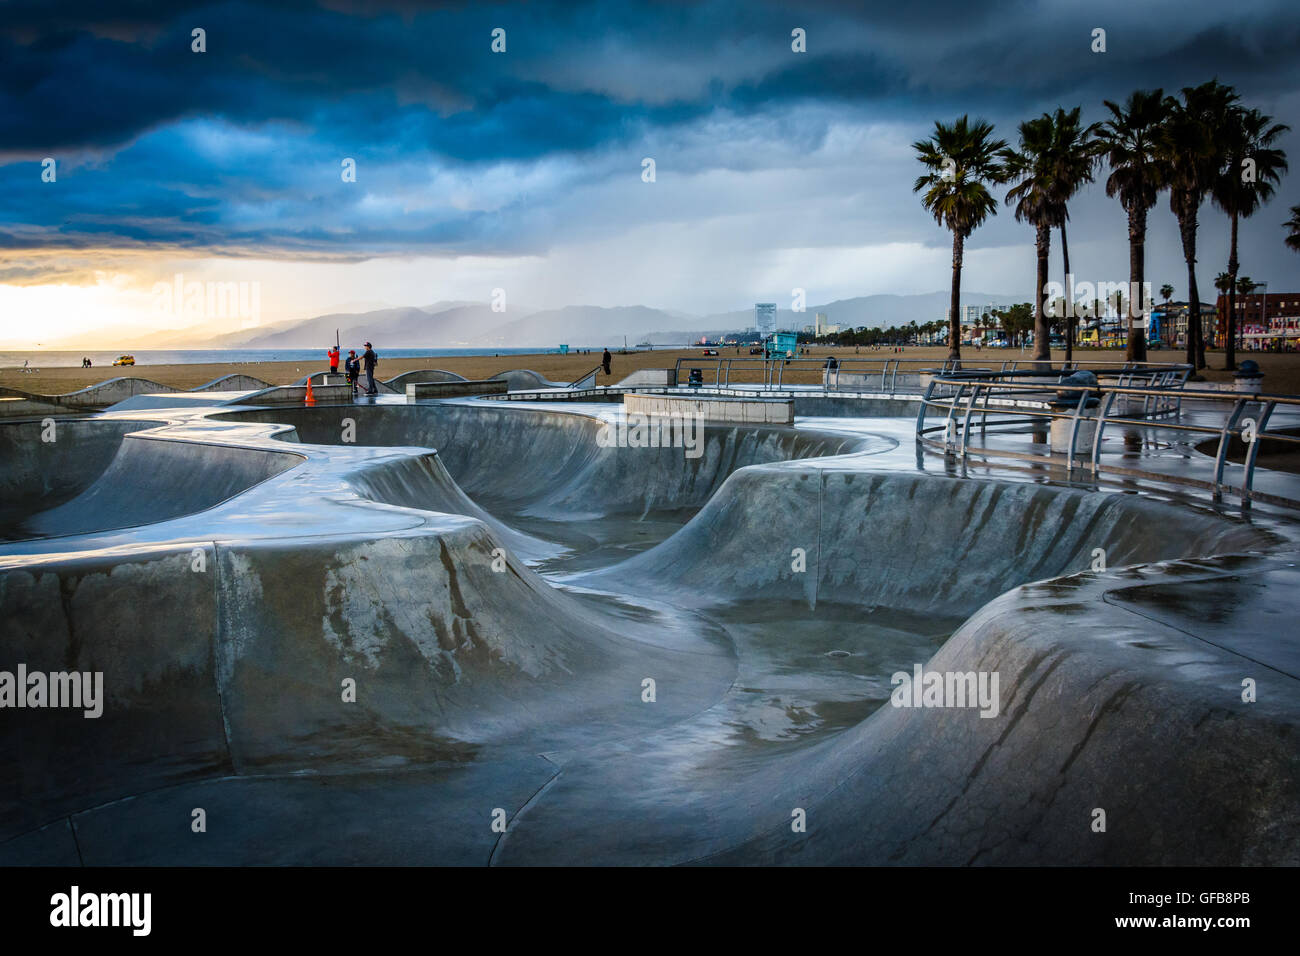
(422, 482)
(522, 378)
(926, 543)
(176, 400)
(155, 479)
(111, 392)
(237, 382)
(358, 645)
(399, 382)
(240, 668)
(44, 467)
(544, 463)
(1096, 708)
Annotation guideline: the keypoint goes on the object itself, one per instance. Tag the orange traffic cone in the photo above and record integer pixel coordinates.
(311, 398)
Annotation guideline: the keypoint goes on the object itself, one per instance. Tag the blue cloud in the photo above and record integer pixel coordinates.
(238, 149)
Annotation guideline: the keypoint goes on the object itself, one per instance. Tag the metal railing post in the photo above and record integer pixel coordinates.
(949, 423)
(1102, 412)
(1074, 429)
(965, 425)
(925, 405)
(1253, 452)
(1224, 437)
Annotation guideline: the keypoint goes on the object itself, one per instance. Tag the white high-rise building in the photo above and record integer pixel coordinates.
(974, 314)
(765, 317)
(820, 323)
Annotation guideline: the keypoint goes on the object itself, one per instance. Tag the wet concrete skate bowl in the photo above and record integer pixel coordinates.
(83, 475)
(798, 575)
(546, 474)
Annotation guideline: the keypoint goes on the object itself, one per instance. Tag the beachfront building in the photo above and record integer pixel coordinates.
(1266, 322)
(1168, 325)
(1108, 332)
(978, 322)
(820, 328)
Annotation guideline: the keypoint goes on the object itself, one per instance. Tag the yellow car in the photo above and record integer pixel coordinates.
(124, 360)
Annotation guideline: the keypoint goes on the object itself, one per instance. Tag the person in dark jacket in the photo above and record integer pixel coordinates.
(368, 359)
(352, 367)
(605, 360)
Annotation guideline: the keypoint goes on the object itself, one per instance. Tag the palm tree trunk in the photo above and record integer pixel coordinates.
(1195, 347)
(1136, 348)
(1230, 339)
(1042, 333)
(954, 313)
(1069, 297)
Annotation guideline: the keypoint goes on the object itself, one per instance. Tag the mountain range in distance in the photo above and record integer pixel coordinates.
(463, 324)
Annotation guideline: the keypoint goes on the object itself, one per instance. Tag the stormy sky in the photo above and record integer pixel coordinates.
(522, 170)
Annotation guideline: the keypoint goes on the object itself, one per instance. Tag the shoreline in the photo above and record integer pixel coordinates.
(1281, 370)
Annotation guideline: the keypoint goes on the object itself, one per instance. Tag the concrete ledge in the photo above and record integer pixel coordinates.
(859, 381)
(662, 377)
(11, 407)
(757, 411)
(456, 389)
(400, 382)
(296, 395)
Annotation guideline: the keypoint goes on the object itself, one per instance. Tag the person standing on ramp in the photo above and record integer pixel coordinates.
(353, 368)
(368, 359)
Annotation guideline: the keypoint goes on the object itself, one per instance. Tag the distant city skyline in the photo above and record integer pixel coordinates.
(337, 154)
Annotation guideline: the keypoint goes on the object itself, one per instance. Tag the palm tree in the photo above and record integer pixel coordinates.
(1129, 142)
(1191, 151)
(1292, 226)
(1037, 202)
(1248, 139)
(1166, 293)
(1075, 151)
(959, 160)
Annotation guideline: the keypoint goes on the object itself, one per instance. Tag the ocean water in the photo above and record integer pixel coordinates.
(66, 359)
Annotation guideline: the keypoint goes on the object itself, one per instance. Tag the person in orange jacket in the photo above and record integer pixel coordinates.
(333, 353)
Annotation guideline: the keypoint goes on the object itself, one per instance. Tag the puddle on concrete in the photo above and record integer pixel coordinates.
(807, 672)
(599, 542)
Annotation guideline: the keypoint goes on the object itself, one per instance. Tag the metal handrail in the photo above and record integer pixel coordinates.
(586, 375)
(727, 371)
(968, 391)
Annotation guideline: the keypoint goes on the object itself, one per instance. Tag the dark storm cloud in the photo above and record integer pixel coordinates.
(239, 147)
(96, 75)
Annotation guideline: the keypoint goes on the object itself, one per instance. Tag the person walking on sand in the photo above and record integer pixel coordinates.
(333, 354)
(605, 360)
(352, 367)
(368, 359)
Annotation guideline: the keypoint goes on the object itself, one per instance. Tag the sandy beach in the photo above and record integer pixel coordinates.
(1282, 371)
